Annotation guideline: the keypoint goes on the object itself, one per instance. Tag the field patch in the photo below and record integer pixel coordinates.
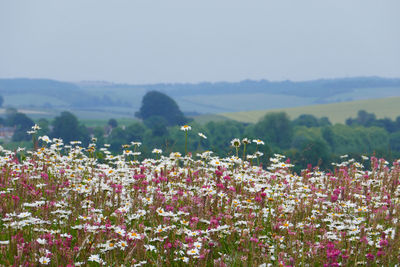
(336, 112)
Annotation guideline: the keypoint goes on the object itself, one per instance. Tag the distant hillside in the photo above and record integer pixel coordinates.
(336, 112)
(93, 100)
(49, 94)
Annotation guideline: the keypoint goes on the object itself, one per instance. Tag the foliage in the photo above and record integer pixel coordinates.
(22, 124)
(317, 145)
(158, 104)
(113, 123)
(275, 128)
(67, 127)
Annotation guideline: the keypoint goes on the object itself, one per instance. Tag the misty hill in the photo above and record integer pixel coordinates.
(55, 93)
(106, 100)
(317, 88)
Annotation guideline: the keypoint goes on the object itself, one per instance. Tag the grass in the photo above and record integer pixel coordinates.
(336, 112)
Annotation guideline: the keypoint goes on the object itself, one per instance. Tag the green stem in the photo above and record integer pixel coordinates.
(186, 137)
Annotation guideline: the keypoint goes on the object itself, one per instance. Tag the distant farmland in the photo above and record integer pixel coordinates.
(336, 112)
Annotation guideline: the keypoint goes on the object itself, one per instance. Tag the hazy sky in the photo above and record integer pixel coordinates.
(147, 41)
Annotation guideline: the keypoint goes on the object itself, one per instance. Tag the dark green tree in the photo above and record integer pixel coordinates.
(117, 138)
(67, 127)
(158, 104)
(113, 123)
(306, 120)
(324, 121)
(328, 135)
(276, 129)
(314, 152)
(157, 124)
(363, 118)
(395, 142)
(44, 127)
(135, 132)
(22, 124)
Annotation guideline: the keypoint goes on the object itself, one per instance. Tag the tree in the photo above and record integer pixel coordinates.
(22, 124)
(314, 152)
(158, 104)
(157, 124)
(44, 127)
(67, 127)
(135, 132)
(395, 142)
(113, 123)
(363, 118)
(275, 128)
(306, 120)
(117, 138)
(1, 101)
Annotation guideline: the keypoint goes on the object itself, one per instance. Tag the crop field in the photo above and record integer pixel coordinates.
(65, 204)
(235, 102)
(336, 112)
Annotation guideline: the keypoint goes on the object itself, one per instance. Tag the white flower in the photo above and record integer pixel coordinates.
(35, 128)
(202, 135)
(156, 151)
(186, 128)
(122, 244)
(193, 251)
(75, 142)
(45, 138)
(258, 142)
(136, 144)
(120, 231)
(24, 215)
(41, 241)
(245, 141)
(175, 155)
(197, 245)
(150, 247)
(44, 260)
(133, 235)
(96, 258)
(258, 154)
(235, 142)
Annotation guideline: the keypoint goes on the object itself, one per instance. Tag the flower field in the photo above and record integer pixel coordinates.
(60, 205)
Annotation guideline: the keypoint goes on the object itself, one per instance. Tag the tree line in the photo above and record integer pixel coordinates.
(305, 140)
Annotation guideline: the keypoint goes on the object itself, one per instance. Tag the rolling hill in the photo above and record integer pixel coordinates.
(104, 100)
(336, 112)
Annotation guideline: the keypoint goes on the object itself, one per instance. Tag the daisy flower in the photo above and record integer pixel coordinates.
(44, 260)
(186, 128)
(202, 135)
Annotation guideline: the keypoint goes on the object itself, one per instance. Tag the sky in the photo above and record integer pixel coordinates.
(149, 41)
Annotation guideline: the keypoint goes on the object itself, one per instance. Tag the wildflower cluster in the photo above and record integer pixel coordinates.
(61, 205)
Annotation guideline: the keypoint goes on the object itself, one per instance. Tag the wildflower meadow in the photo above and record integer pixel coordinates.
(62, 205)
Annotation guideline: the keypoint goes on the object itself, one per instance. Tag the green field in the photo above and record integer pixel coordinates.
(102, 122)
(336, 112)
